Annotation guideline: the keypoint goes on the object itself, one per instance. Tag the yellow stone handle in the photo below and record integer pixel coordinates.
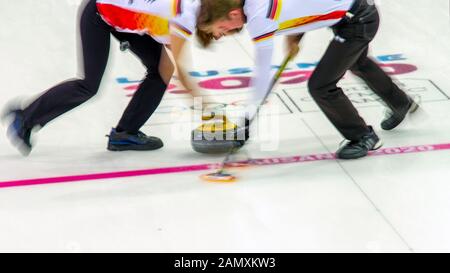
(224, 125)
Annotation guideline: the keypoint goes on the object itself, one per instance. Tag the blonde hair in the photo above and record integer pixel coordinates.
(210, 12)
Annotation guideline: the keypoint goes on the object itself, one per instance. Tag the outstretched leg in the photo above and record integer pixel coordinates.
(95, 45)
(381, 84)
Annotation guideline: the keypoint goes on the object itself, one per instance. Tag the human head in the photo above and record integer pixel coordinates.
(219, 18)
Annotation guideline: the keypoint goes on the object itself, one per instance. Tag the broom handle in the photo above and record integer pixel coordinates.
(277, 76)
(274, 82)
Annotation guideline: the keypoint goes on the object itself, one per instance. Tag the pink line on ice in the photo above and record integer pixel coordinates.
(204, 167)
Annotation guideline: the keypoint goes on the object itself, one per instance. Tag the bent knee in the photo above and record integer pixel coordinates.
(87, 89)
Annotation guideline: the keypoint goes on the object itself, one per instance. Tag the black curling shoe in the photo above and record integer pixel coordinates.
(360, 148)
(394, 118)
(18, 134)
(123, 141)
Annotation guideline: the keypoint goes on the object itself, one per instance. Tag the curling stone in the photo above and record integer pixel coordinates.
(219, 135)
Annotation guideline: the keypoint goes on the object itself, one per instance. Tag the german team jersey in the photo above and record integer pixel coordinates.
(265, 19)
(156, 18)
(269, 18)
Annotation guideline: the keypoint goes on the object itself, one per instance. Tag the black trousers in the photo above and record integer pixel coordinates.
(95, 40)
(349, 51)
